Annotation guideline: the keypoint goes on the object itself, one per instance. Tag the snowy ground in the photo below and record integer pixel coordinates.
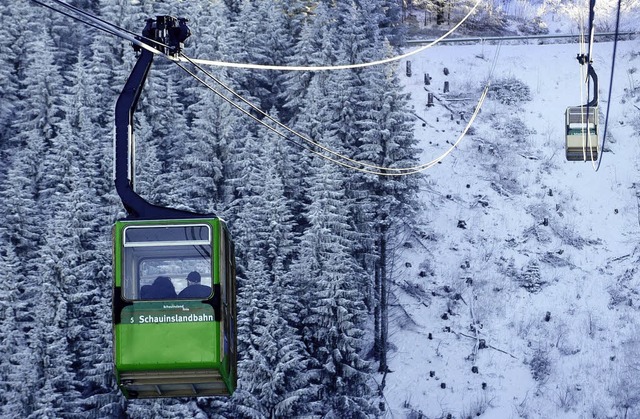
(505, 205)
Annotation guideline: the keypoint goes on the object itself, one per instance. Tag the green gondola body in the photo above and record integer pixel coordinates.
(174, 347)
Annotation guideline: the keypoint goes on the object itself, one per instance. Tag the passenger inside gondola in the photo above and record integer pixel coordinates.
(145, 292)
(194, 288)
(161, 289)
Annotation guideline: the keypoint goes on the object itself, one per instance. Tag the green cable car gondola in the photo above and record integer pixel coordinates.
(174, 291)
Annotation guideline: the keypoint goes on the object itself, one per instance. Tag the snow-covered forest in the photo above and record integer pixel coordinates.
(337, 269)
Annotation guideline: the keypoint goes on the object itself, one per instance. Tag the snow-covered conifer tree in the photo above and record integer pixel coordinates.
(334, 314)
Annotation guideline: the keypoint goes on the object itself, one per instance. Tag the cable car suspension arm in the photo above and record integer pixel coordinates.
(169, 33)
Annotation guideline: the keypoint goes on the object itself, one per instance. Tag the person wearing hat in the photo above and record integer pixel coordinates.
(194, 288)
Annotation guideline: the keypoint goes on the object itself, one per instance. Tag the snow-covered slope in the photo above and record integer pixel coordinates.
(520, 298)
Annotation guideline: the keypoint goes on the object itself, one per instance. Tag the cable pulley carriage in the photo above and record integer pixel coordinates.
(174, 290)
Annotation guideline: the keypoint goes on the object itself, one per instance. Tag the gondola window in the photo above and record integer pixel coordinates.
(152, 254)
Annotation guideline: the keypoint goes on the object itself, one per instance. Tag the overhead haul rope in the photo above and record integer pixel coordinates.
(137, 40)
(336, 67)
(352, 164)
(380, 170)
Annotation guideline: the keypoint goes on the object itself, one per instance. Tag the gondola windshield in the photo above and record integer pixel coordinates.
(173, 252)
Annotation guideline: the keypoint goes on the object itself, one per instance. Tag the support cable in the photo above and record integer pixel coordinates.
(345, 161)
(94, 18)
(286, 128)
(276, 131)
(104, 26)
(352, 164)
(137, 40)
(336, 67)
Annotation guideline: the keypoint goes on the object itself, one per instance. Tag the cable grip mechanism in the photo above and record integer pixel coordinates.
(584, 59)
(166, 34)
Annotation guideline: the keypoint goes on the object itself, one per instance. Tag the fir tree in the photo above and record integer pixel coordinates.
(273, 363)
(316, 46)
(81, 245)
(9, 56)
(531, 279)
(15, 397)
(334, 315)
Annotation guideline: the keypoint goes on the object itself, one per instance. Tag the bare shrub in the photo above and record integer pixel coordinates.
(566, 398)
(477, 407)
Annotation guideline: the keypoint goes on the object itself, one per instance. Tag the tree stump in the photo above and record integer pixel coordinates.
(430, 100)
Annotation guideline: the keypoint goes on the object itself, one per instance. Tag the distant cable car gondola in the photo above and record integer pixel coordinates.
(174, 291)
(582, 133)
(581, 122)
